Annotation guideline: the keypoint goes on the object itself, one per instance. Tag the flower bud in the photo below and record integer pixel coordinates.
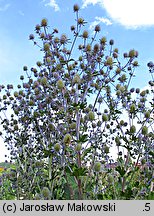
(56, 40)
(44, 22)
(103, 40)
(143, 93)
(106, 149)
(115, 55)
(39, 63)
(91, 116)
(16, 127)
(151, 83)
(144, 130)
(46, 47)
(76, 8)
(25, 68)
(57, 147)
(88, 48)
(110, 178)
(67, 139)
(51, 126)
(137, 90)
(31, 103)
(117, 140)
(80, 47)
(99, 123)
(116, 50)
(42, 35)
(132, 53)
(96, 48)
(63, 39)
(109, 61)
(111, 42)
(132, 90)
(135, 63)
(80, 21)
(60, 84)
(78, 147)
(37, 27)
(132, 108)
(72, 28)
(31, 37)
(76, 79)
(45, 192)
(118, 86)
(143, 161)
(16, 94)
(85, 34)
(150, 64)
(122, 89)
(147, 114)
(94, 125)
(48, 59)
(122, 122)
(105, 118)
(100, 100)
(132, 129)
(142, 100)
(97, 28)
(125, 55)
(43, 81)
(73, 125)
(80, 58)
(97, 166)
(123, 78)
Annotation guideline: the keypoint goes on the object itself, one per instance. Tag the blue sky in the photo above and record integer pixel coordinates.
(130, 23)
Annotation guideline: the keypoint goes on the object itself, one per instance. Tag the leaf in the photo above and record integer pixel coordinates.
(81, 171)
(76, 171)
(46, 153)
(117, 111)
(67, 170)
(86, 151)
(121, 170)
(75, 104)
(83, 138)
(128, 147)
(71, 60)
(90, 91)
(62, 62)
(150, 196)
(151, 153)
(127, 194)
(100, 196)
(83, 105)
(95, 73)
(152, 104)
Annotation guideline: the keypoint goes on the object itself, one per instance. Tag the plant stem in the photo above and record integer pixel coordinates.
(50, 170)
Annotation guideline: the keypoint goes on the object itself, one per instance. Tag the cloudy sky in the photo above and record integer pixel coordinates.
(129, 22)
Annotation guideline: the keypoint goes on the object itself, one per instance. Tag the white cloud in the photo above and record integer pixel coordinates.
(53, 4)
(5, 7)
(129, 13)
(87, 2)
(21, 13)
(99, 20)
